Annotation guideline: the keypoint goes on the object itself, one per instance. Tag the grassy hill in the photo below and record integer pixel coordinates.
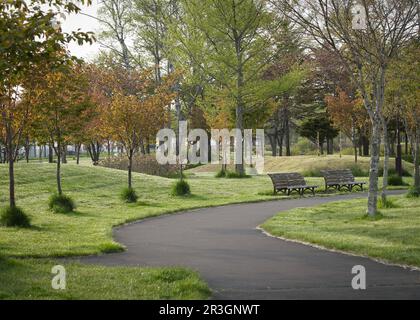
(308, 165)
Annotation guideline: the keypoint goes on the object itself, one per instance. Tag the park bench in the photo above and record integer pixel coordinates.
(289, 182)
(339, 179)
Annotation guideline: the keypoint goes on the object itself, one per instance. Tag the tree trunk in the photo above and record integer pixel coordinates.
(78, 146)
(27, 149)
(239, 167)
(147, 146)
(273, 143)
(58, 173)
(12, 200)
(130, 168)
(94, 150)
(280, 139)
(64, 154)
(374, 167)
(142, 148)
(417, 160)
(50, 154)
(355, 151)
(353, 140)
(386, 161)
(365, 146)
(287, 134)
(321, 148)
(328, 146)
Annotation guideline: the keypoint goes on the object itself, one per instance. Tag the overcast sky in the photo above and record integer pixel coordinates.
(84, 23)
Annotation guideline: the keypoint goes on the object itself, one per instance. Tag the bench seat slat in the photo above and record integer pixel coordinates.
(340, 178)
(289, 182)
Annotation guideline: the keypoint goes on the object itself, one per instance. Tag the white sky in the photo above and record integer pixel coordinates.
(85, 24)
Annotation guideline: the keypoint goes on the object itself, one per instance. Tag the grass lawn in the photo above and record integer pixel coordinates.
(89, 230)
(28, 254)
(394, 236)
(307, 165)
(31, 279)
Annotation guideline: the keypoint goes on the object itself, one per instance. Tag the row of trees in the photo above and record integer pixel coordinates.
(54, 99)
(239, 63)
(239, 53)
(366, 53)
(30, 38)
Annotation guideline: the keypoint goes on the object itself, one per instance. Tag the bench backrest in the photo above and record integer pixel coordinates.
(337, 176)
(287, 180)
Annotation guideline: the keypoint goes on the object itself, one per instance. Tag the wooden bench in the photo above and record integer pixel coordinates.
(339, 179)
(289, 182)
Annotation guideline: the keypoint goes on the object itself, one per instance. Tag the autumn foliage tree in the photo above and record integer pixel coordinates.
(137, 109)
(347, 114)
(60, 105)
(28, 40)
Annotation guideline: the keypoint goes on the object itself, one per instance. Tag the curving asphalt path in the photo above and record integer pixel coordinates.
(240, 262)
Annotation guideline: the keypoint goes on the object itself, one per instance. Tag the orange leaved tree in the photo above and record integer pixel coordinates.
(137, 110)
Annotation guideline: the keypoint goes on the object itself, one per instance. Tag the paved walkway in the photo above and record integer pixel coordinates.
(240, 262)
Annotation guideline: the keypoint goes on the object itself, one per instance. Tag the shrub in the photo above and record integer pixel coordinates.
(312, 173)
(14, 217)
(146, 164)
(393, 172)
(220, 174)
(303, 147)
(129, 195)
(349, 151)
(395, 180)
(181, 188)
(61, 203)
(176, 175)
(357, 171)
(408, 158)
(389, 204)
(413, 192)
(234, 175)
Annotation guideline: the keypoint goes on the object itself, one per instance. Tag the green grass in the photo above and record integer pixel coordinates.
(310, 165)
(31, 279)
(88, 230)
(96, 190)
(394, 236)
